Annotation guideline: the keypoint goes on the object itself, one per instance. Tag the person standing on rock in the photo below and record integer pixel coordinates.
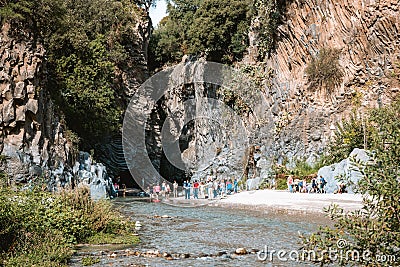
(201, 190)
(209, 189)
(157, 190)
(167, 190)
(321, 184)
(235, 185)
(215, 188)
(314, 187)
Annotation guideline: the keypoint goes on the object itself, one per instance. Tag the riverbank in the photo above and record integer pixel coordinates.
(279, 200)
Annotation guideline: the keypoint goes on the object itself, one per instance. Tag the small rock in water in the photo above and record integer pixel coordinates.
(114, 255)
(226, 256)
(241, 251)
(165, 216)
(166, 255)
(220, 253)
(185, 255)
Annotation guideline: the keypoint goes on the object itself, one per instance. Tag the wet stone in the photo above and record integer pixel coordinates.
(241, 251)
(220, 253)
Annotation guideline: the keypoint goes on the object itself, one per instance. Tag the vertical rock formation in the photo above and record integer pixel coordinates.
(32, 137)
(367, 35)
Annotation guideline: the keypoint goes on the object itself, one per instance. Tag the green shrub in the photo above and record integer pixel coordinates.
(352, 132)
(281, 184)
(324, 70)
(40, 228)
(375, 228)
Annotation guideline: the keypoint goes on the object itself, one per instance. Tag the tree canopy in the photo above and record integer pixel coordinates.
(217, 29)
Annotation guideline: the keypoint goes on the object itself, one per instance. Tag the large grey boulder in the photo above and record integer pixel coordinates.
(252, 184)
(346, 169)
(95, 176)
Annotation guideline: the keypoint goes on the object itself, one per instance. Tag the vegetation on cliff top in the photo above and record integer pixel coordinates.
(216, 29)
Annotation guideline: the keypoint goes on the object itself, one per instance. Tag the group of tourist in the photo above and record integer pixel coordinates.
(217, 188)
(157, 191)
(317, 185)
(208, 189)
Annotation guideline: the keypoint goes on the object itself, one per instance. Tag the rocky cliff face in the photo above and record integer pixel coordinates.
(32, 137)
(34, 142)
(367, 34)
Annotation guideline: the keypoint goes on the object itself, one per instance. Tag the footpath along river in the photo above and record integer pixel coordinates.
(208, 235)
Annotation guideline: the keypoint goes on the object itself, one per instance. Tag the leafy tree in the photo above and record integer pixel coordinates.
(90, 101)
(166, 45)
(215, 28)
(373, 231)
(89, 43)
(351, 133)
(42, 17)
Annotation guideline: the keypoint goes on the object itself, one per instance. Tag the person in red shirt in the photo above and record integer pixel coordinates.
(196, 189)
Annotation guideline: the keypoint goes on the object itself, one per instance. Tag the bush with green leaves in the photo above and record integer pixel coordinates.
(355, 131)
(324, 70)
(374, 230)
(270, 14)
(40, 228)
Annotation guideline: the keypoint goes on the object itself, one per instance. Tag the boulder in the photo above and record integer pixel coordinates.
(253, 184)
(241, 251)
(345, 168)
(98, 190)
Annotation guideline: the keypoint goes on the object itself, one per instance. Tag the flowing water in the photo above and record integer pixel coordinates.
(206, 230)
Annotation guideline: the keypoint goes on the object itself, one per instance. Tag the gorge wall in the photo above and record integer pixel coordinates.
(34, 141)
(32, 137)
(366, 33)
(367, 38)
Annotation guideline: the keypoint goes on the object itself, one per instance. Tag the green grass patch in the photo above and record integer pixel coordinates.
(89, 260)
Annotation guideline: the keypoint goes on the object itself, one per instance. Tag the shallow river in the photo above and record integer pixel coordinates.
(210, 230)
